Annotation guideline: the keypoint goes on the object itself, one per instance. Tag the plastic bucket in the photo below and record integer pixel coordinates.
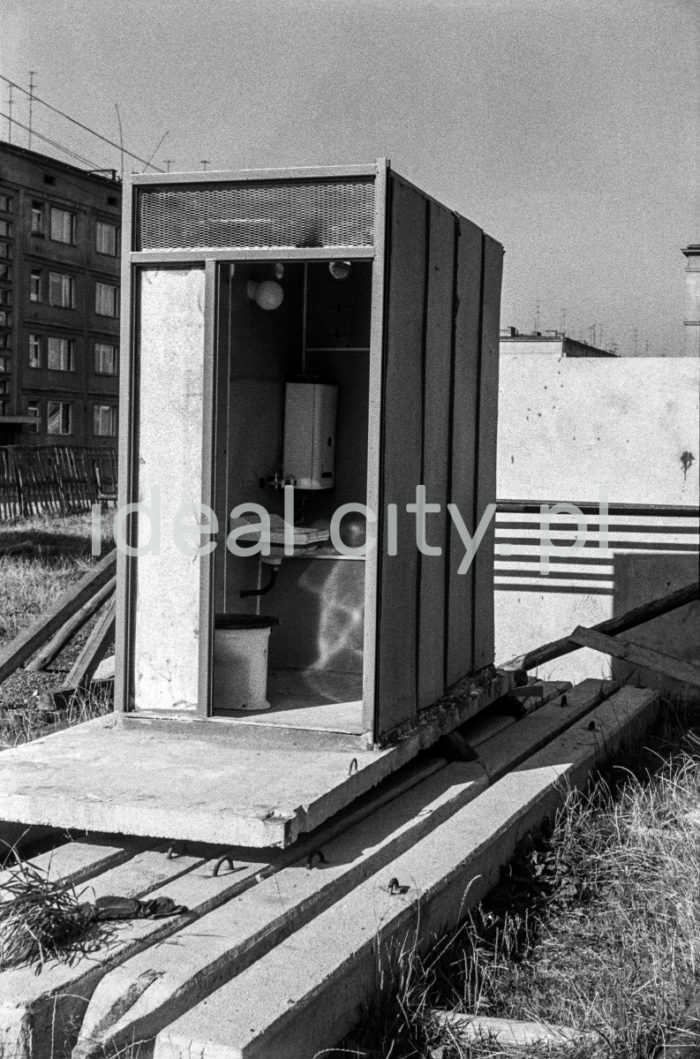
(240, 661)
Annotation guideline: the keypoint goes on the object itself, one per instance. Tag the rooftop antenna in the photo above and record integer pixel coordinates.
(600, 335)
(562, 320)
(635, 339)
(31, 100)
(121, 140)
(536, 322)
(160, 141)
(591, 334)
(204, 162)
(168, 163)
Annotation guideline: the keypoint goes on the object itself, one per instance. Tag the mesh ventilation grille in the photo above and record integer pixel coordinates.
(274, 213)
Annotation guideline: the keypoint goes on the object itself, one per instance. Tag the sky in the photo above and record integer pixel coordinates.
(568, 129)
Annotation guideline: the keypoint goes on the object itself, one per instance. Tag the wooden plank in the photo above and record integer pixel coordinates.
(436, 442)
(24, 645)
(487, 420)
(402, 443)
(71, 627)
(226, 941)
(620, 623)
(463, 1029)
(467, 338)
(638, 655)
(93, 651)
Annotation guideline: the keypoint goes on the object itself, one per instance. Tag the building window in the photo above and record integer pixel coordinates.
(105, 421)
(4, 364)
(5, 250)
(60, 354)
(4, 339)
(37, 225)
(61, 290)
(106, 299)
(58, 417)
(106, 238)
(35, 285)
(5, 296)
(34, 351)
(106, 358)
(4, 390)
(62, 226)
(5, 204)
(34, 409)
(5, 228)
(5, 318)
(5, 271)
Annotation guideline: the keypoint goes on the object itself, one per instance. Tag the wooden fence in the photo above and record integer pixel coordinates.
(55, 479)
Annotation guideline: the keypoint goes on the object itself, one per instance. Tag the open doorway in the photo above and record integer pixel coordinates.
(291, 408)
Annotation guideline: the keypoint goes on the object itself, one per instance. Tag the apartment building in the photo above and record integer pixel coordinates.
(59, 301)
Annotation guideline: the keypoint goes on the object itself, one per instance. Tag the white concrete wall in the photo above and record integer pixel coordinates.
(569, 430)
(568, 427)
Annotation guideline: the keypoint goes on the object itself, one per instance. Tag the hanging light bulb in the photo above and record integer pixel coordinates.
(340, 269)
(267, 295)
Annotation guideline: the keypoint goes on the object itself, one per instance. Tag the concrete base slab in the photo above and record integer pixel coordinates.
(206, 782)
(307, 992)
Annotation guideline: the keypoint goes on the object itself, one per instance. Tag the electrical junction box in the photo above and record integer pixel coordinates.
(309, 434)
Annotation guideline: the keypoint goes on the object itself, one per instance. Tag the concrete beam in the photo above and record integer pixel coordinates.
(40, 1014)
(74, 862)
(304, 995)
(36, 1013)
(506, 750)
(135, 1000)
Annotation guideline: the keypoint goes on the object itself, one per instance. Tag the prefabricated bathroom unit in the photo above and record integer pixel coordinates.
(334, 331)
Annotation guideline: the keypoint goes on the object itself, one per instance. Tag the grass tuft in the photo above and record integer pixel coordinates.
(39, 918)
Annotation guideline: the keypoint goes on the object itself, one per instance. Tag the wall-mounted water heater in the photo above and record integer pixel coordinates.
(309, 434)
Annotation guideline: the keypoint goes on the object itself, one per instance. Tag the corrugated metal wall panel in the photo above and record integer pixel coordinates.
(436, 441)
(402, 448)
(467, 343)
(487, 413)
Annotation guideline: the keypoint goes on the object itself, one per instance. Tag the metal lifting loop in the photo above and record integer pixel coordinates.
(353, 767)
(395, 887)
(315, 855)
(226, 859)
